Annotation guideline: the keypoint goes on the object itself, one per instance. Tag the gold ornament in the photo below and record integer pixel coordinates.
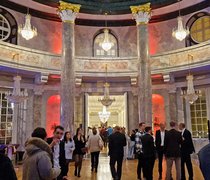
(68, 6)
(141, 8)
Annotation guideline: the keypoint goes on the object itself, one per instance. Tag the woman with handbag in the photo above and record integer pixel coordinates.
(94, 144)
(79, 151)
(69, 148)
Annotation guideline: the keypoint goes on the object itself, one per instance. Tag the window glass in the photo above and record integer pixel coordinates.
(98, 50)
(199, 117)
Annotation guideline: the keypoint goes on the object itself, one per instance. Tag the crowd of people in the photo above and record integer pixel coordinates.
(49, 158)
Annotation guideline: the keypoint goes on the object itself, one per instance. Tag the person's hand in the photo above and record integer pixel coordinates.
(54, 142)
(65, 178)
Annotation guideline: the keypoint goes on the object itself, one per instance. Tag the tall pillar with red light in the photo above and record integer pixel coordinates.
(68, 13)
(142, 16)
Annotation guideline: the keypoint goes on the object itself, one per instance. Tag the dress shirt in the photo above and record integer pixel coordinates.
(56, 155)
(162, 135)
(183, 131)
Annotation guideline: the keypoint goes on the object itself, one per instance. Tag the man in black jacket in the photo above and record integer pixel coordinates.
(58, 150)
(187, 148)
(117, 141)
(159, 142)
(148, 149)
(173, 141)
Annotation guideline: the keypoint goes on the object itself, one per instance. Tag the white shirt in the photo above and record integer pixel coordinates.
(56, 155)
(162, 135)
(69, 148)
(183, 131)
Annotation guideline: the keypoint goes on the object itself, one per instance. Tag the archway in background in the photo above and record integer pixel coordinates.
(52, 113)
(158, 111)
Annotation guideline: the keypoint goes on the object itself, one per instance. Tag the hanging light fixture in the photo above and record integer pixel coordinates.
(26, 30)
(17, 95)
(104, 115)
(180, 33)
(106, 100)
(106, 44)
(191, 95)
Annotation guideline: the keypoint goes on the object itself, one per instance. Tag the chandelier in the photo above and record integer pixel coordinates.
(180, 33)
(26, 30)
(191, 95)
(104, 115)
(106, 100)
(17, 96)
(106, 44)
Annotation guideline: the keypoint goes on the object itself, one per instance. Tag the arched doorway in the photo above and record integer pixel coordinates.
(52, 113)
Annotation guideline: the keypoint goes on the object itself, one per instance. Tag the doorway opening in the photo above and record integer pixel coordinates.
(118, 111)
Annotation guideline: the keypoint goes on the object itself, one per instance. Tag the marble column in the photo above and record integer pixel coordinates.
(68, 14)
(173, 106)
(37, 107)
(132, 111)
(142, 16)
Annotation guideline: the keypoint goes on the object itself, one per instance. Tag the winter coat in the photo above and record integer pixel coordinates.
(95, 143)
(7, 171)
(37, 164)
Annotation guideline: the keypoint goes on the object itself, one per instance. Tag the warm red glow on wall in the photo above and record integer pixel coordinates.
(153, 45)
(158, 109)
(53, 113)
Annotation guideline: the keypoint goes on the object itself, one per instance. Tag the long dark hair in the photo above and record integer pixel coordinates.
(65, 138)
(82, 138)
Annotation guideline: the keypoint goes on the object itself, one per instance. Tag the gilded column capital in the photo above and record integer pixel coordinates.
(141, 13)
(68, 11)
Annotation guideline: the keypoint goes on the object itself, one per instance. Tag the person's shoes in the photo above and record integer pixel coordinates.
(95, 170)
(160, 177)
(92, 169)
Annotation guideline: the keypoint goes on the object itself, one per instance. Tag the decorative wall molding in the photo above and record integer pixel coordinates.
(47, 63)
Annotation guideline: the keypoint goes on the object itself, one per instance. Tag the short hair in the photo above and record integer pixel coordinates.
(59, 127)
(182, 125)
(148, 128)
(117, 128)
(172, 123)
(94, 131)
(141, 124)
(39, 132)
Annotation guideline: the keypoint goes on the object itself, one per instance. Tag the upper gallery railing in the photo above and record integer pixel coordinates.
(33, 60)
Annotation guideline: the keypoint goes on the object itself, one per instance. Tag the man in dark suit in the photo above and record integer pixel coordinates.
(187, 148)
(148, 149)
(159, 142)
(117, 141)
(173, 141)
(58, 150)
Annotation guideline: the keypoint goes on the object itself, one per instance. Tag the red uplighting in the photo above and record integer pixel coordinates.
(158, 109)
(55, 76)
(153, 45)
(52, 114)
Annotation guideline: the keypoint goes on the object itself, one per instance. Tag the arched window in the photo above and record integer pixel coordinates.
(199, 25)
(8, 27)
(98, 51)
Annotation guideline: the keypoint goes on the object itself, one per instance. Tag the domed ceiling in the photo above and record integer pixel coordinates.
(109, 6)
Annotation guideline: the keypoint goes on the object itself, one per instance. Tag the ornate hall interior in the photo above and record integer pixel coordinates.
(107, 63)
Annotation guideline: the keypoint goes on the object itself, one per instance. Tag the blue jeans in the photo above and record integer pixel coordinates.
(131, 150)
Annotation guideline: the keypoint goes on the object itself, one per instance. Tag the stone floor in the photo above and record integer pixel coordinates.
(129, 171)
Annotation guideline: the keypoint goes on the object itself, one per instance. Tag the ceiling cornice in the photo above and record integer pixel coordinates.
(101, 23)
